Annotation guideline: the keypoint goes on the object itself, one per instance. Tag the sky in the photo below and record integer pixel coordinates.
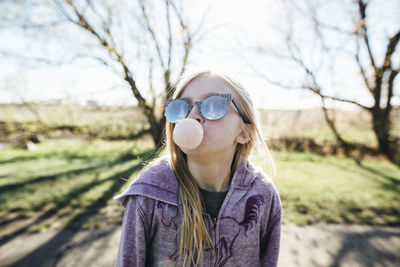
(243, 26)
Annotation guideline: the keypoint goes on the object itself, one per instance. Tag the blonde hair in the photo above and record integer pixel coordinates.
(194, 234)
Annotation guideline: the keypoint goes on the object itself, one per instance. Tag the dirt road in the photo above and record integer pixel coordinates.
(315, 245)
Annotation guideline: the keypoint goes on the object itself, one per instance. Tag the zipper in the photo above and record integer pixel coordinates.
(214, 220)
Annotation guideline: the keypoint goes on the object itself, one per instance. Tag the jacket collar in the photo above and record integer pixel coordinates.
(159, 182)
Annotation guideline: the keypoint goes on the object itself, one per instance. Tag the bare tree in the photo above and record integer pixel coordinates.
(130, 38)
(378, 74)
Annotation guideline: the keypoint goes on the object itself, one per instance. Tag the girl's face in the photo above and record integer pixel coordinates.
(222, 135)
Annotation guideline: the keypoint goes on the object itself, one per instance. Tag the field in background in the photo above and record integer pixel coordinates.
(355, 126)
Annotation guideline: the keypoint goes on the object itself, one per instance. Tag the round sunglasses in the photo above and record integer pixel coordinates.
(213, 107)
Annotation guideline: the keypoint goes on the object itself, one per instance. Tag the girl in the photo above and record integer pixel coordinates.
(208, 205)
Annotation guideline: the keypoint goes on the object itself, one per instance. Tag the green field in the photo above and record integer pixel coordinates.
(70, 183)
(316, 188)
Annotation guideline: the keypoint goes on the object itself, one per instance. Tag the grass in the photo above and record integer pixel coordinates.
(317, 188)
(70, 183)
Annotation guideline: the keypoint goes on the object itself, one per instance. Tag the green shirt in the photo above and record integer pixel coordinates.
(212, 201)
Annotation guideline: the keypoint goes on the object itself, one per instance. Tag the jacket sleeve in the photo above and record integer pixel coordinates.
(270, 237)
(134, 241)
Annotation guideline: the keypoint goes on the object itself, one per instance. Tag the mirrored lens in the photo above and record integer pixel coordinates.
(176, 110)
(214, 107)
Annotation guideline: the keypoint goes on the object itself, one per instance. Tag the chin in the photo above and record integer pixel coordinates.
(194, 151)
(201, 151)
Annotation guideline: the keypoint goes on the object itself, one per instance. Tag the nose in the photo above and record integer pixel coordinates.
(195, 114)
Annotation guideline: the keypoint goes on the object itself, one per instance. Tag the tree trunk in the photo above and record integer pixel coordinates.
(381, 126)
(157, 133)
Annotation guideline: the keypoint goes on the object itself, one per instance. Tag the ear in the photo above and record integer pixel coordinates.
(245, 134)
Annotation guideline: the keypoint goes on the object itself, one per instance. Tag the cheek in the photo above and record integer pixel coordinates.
(220, 133)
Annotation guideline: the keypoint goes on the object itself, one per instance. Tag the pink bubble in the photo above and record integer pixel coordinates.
(188, 133)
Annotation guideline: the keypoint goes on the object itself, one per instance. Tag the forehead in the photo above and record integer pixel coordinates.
(206, 84)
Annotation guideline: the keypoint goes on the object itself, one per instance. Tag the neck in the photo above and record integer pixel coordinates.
(210, 173)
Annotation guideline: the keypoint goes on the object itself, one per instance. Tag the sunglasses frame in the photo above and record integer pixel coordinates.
(228, 98)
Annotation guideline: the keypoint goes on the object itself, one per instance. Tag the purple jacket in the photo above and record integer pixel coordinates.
(247, 232)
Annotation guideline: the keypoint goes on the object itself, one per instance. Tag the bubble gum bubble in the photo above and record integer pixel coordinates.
(188, 133)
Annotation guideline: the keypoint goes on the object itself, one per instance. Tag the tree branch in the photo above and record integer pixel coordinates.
(362, 24)
(318, 92)
(153, 94)
(391, 79)
(169, 35)
(151, 31)
(391, 47)
(361, 67)
(82, 22)
(187, 42)
(267, 79)
(315, 88)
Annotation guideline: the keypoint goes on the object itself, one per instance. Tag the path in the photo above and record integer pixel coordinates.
(314, 245)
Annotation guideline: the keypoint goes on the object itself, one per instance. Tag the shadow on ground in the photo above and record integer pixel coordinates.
(48, 248)
(336, 245)
(301, 246)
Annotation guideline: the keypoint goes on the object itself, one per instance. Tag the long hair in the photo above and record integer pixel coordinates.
(194, 234)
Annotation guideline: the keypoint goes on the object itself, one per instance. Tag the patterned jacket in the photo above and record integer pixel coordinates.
(246, 233)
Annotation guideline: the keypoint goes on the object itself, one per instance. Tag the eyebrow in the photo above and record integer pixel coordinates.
(204, 96)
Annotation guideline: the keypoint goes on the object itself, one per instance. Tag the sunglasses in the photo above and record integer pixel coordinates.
(213, 107)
